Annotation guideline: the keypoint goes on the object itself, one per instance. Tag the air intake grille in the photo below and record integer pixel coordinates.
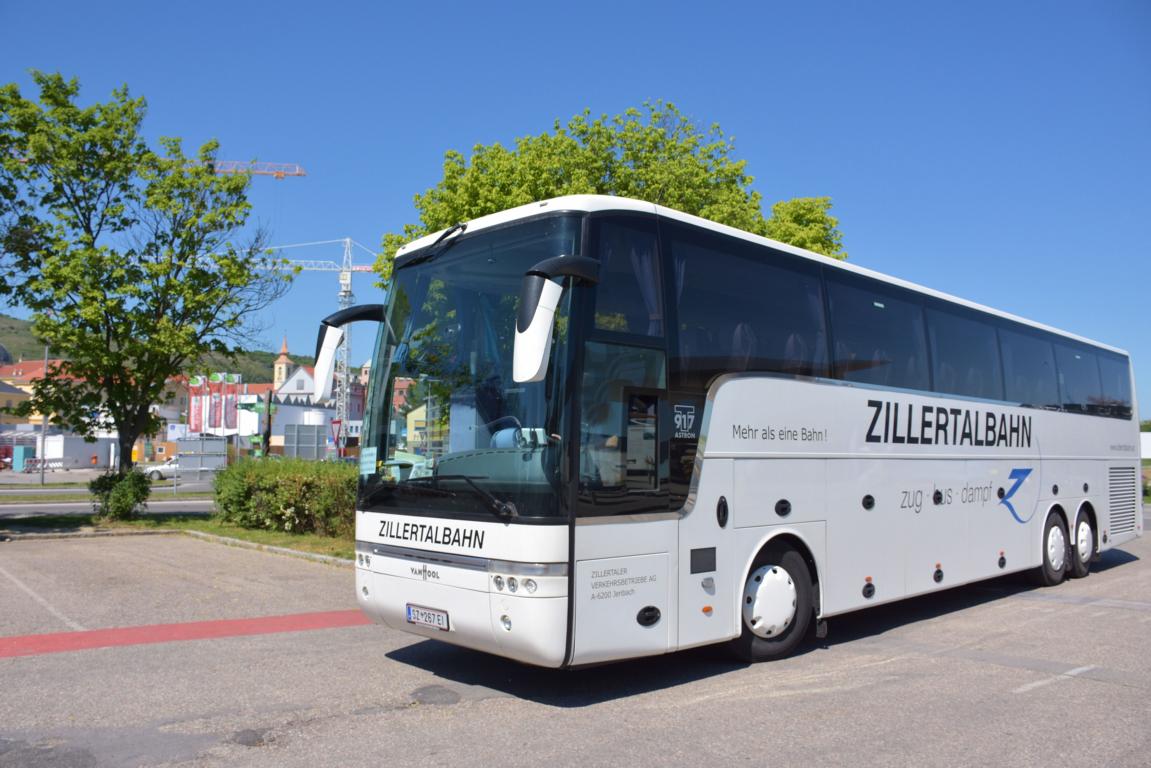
(1124, 498)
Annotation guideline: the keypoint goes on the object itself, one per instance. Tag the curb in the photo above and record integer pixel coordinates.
(240, 543)
(6, 537)
(9, 535)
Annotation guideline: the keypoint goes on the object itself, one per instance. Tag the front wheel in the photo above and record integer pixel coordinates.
(1084, 546)
(1054, 553)
(155, 475)
(777, 606)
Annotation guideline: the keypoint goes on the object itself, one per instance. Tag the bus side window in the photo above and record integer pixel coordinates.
(628, 296)
(741, 307)
(879, 333)
(621, 468)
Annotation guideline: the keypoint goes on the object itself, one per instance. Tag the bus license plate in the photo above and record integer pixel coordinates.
(429, 617)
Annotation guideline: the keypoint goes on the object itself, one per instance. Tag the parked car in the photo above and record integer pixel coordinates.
(169, 468)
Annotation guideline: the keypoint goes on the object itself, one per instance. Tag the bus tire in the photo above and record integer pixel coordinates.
(776, 607)
(1083, 547)
(1055, 552)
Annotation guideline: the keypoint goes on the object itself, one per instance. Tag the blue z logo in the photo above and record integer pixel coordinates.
(1018, 475)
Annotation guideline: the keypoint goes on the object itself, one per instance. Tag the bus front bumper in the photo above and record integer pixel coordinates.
(464, 608)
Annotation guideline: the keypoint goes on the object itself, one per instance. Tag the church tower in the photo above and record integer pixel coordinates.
(282, 367)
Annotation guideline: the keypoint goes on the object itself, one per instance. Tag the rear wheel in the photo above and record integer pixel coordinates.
(155, 475)
(1054, 553)
(1084, 546)
(777, 606)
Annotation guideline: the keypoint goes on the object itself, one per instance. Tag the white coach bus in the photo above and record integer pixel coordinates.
(599, 429)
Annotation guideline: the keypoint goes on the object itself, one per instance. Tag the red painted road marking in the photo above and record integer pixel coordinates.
(62, 642)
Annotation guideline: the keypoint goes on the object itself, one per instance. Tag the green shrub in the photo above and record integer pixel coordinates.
(120, 496)
(292, 495)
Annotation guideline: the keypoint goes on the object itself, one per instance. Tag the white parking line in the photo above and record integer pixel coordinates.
(1048, 681)
(27, 590)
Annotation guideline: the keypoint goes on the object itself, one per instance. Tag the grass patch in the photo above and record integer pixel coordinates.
(305, 542)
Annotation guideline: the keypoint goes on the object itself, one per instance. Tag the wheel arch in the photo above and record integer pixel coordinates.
(1058, 510)
(796, 541)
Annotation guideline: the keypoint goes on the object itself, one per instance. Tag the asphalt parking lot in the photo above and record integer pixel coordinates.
(211, 655)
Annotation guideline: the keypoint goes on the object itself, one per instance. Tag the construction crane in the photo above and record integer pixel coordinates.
(345, 299)
(276, 170)
(345, 269)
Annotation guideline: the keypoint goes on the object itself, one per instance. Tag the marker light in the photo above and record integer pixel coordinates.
(499, 582)
(506, 622)
(530, 585)
(513, 585)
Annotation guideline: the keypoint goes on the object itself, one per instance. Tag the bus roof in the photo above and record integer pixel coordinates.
(593, 203)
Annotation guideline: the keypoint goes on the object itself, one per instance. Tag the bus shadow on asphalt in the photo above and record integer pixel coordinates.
(1112, 558)
(587, 686)
(580, 687)
(883, 618)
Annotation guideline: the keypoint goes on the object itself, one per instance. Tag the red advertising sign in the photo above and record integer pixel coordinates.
(195, 404)
(215, 405)
(231, 393)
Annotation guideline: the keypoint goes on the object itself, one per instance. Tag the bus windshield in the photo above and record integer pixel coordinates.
(448, 432)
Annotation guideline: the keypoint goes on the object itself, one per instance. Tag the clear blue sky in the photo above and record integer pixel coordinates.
(998, 151)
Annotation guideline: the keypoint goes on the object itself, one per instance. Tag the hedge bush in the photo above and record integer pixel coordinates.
(120, 496)
(290, 495)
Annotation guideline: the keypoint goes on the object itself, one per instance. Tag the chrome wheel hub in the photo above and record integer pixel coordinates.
(769, 601)
(1084, 541)
(1056, 548)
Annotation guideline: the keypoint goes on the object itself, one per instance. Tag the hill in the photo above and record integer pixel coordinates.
(255, 366)
(17, 338)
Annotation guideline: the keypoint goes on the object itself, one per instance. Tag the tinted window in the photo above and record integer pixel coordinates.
(1080, 389)
(1116, 374)
(743, 307)
(879, 334)
(620, 458)
(964, 354)
(628, 298)
(1029, 369)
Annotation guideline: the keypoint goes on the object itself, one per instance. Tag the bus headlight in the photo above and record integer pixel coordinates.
(499, 582)
(513, 585)
(530, 585)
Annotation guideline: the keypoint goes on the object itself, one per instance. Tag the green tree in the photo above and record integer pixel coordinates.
(807, 222)
(127, 257)
(655, 153)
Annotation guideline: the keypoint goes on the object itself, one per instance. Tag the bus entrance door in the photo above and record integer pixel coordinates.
(625, 537)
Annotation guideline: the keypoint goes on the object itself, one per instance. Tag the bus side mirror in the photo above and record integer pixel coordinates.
(539, 297)
(328, 343)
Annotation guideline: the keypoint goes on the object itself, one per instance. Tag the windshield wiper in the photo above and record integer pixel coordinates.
(432, 251)
(501, 509)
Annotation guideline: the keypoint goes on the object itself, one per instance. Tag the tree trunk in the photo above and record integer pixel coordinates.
(127, 439)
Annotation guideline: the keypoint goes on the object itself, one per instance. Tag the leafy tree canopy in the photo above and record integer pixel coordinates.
(655, 153)
(127, 256)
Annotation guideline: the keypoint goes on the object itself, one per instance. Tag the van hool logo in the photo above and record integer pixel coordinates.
(906, 423)
(685, 422)
(425, 572)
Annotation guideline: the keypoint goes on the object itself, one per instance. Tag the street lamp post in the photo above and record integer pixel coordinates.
(44, 423)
